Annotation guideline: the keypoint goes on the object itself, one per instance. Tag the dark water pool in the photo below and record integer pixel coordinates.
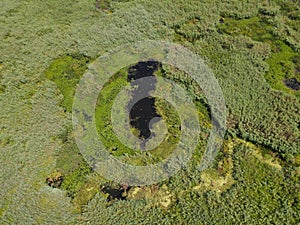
(144, 110)
(292, 83)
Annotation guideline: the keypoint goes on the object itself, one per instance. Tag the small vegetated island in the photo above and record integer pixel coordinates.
(253, 49)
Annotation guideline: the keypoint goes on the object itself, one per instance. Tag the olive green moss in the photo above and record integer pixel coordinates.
(66, 72)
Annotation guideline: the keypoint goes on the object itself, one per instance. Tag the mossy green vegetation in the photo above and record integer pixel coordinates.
(66, 72)
(259, 29)
(281, 63)
(73, 181)
(103, 113)
(282, 66)
(76, 176)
